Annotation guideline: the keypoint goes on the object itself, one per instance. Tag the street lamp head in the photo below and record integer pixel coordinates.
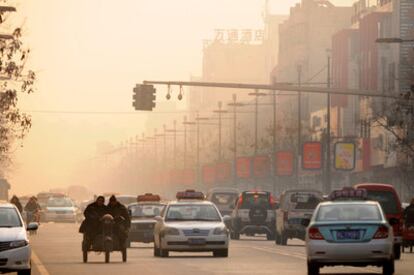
(180, 96)
(257, 94)
(168, 96)
(389, 40)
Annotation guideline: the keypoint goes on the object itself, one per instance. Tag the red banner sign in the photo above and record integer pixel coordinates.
(243, 167)
(261, 167)
(312, 156)
(223, 172)
(284, 163)
(209, 174)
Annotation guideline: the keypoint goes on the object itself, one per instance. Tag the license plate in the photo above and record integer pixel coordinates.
(348, 235)
(197, 241)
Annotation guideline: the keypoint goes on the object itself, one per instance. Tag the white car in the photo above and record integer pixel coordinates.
(15, 251)
(60, 209)
(351, 233)
(191, 224)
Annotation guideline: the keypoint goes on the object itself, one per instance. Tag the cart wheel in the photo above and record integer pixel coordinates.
(85, 256)
(124, 255)
(411, 249)
(107, 256)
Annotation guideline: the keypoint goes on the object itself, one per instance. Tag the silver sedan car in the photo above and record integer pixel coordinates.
(191, 226)
(351, 233)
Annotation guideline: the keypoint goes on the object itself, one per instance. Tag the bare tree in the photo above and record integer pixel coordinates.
(15, 79)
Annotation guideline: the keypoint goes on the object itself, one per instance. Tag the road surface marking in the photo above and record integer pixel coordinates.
(40, 266)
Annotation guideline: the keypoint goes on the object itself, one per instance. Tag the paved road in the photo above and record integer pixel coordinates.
(57, 251)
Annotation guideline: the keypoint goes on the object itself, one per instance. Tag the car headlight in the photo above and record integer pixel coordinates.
(220, 231)
(17, 244)
(171, 231)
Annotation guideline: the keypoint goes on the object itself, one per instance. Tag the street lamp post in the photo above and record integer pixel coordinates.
(219, 112)
(256, 94)
(328, 185)
(175, 144)
(185, 122)
(235, 104)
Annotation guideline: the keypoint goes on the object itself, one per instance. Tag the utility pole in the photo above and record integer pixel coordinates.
(327, 185)
(175, 144)
(185, 141)
(256, 119)
(235, 104)
(165, 145)
(219, 112)
(198, 148)
(299, 148)
(274, 103)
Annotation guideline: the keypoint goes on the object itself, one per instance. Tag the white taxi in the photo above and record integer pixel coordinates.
(349, 232)
(191, 224)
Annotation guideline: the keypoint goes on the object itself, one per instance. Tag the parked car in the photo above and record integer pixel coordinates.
(390, 202)
(254, 214)
(295, 207)
(224, 199)
(15, 250)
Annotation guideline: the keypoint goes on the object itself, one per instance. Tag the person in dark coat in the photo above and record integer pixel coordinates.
(93, 213)
(409, 213)
(15, 200)
(121, 216)
(32, 209)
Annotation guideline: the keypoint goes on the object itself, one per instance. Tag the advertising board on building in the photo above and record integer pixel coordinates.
(312, 156)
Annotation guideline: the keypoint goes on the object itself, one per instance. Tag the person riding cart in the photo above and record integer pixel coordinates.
(121, 217)
(93, 213)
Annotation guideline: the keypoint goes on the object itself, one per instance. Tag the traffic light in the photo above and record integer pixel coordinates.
(144, 97)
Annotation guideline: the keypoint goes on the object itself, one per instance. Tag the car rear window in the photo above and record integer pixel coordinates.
(145, 210)
(348, 212)
(304, 200)
(224, 199)
(251, 200)
(386, 199)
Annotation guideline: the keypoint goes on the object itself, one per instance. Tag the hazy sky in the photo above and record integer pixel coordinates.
(89, 55)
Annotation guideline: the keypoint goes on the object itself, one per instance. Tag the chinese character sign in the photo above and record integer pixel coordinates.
(312, 156)
(345, 156)
(284, 163)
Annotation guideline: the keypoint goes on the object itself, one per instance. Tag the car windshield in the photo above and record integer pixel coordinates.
(386, 199)
(224, 199)
(304, 200)
(192, 213)
(348, 212)
(146, 210)
(250, 200)
(9, 218)
(59, 202)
